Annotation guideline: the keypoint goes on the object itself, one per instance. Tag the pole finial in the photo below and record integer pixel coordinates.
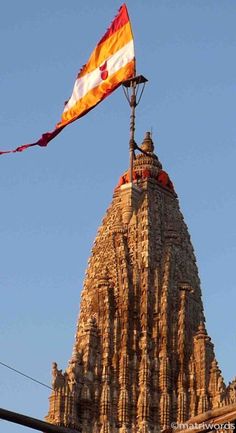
(147, 144)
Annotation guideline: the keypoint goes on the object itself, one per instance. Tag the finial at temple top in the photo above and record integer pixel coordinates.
(147, 144)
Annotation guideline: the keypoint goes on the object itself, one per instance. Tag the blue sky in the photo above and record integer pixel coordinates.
(53, 199)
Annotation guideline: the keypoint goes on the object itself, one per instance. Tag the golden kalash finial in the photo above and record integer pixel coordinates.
(147, 144)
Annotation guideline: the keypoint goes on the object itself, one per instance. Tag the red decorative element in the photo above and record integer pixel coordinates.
(104, 75)
(120, 20)
(135, 176)
(146, 173)
(125, 178)
(162, 178)
(103, 67)
(104, 71)
(42, 142)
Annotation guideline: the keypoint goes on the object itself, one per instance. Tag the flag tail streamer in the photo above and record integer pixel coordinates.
(111, 62)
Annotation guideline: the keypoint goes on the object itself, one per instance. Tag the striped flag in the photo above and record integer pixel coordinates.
(111, 63)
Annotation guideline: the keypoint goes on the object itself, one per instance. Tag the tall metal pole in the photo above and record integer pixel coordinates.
(33, 423)
(133, 85)
(132, 128)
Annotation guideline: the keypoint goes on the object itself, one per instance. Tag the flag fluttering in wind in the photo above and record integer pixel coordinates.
(111, 63)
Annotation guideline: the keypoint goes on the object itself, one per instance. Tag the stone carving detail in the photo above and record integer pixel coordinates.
(142, 357)
(231, 391)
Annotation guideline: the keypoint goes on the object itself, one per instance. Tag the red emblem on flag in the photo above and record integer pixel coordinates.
(104, 71)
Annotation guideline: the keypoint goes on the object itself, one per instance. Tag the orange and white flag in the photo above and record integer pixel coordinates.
(111, 63)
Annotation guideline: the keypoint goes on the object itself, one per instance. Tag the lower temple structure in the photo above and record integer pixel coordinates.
(142, 358)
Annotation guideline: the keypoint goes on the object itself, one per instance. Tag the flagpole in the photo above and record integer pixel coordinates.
(132, 129)
(131, 96)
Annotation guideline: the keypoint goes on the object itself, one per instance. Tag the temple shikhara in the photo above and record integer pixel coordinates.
(142, 358)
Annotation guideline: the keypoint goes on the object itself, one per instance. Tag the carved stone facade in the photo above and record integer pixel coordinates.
(142, 357)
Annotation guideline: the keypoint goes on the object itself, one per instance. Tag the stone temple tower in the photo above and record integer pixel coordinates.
(142, 357)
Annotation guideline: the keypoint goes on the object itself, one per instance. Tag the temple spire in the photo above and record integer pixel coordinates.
(142, 357)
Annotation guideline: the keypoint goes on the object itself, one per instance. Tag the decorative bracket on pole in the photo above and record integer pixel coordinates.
(133, 93)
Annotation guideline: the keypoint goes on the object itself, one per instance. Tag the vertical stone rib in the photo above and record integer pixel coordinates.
(182, 391)
(201, 346)
(105, 292)
(165, 368)
(122, 254)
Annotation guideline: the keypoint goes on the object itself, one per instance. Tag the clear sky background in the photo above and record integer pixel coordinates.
(53, 199)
